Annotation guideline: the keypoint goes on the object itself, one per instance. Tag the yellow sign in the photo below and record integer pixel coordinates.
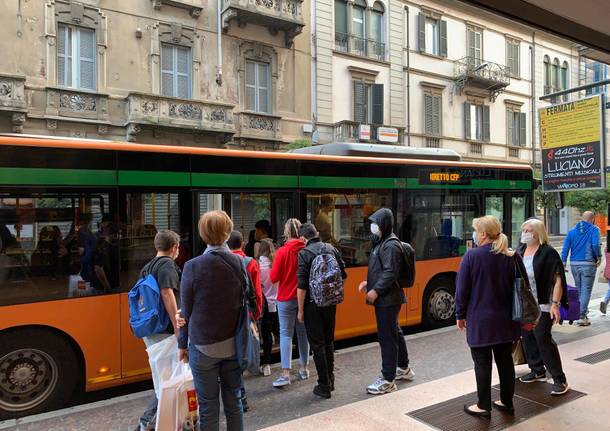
(570, 123)
(444, 177)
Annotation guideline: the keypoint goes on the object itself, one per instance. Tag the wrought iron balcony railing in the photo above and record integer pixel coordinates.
(485, 75)
(351, 44)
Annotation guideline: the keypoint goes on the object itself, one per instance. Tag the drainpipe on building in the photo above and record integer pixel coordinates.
(219, 43)
(314, 74)
(533, 85)
(408, 78)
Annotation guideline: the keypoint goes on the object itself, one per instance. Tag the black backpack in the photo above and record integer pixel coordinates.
(406, 278)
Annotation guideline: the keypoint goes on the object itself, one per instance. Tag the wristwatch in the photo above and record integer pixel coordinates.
(555, 302)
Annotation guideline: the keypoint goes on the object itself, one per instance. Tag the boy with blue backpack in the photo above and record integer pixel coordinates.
(320, 276)
(154, 304)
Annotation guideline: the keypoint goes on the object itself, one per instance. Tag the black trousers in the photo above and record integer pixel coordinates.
(541, 350)
(320, 326)
(502, 354)
(269, 325)
(391, 341)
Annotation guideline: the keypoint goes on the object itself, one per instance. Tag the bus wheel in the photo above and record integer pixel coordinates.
(439, 303)
(39, 371)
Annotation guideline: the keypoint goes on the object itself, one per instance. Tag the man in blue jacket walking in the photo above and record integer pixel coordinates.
(582, 243)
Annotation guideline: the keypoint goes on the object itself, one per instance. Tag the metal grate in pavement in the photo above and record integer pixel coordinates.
(530, 400)
(596, 357)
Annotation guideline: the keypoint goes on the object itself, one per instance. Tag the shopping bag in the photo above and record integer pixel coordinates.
(174, 391)
(525, 307)
(78, 287)
(518, 352)
(163, 359)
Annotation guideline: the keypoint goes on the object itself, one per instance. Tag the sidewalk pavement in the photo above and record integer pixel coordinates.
(441, 361)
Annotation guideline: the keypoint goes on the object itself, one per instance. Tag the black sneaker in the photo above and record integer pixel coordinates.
(244, 404)
(559, 388)
(533, 377)
(324, 393)
(602, 307)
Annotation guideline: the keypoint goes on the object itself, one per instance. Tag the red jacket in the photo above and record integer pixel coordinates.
(255, 275)
(284, 269)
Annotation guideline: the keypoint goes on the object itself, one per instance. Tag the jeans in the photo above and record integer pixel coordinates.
(391, 341)
(320, 324)
(269, 326)
(607, 297)
(584, 277)
(287, 313)
(541, 350)
(207, 374)
(148, 419)
(502, 354)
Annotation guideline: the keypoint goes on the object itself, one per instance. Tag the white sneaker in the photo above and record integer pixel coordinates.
(266, 370)
(381, 386)
(404, 374)
(303, 373)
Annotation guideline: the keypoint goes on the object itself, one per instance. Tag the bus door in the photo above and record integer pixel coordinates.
(511, 209)
(146, 212)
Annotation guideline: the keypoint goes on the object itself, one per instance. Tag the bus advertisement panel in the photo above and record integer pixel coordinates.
(571, 140)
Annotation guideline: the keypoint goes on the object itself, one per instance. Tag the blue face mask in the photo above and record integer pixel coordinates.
(474, 238)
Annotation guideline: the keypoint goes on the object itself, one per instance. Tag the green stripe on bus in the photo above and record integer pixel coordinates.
(413, 184)
(351, 183)
(241, 180)
(154, 178)
(55, 177)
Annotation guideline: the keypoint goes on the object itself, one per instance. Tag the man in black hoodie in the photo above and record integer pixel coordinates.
(385, 293)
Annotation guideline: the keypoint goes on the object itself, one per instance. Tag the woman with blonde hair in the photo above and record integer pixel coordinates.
(484, 295)
(284, 272)
(546, 275)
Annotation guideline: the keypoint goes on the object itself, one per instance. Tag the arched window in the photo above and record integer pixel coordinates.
(377, 22)
(564, 75)
(547, 74)
(555, 75)
(341, 17)
(359, 27)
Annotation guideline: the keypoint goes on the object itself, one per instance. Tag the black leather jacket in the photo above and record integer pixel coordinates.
(385, 262)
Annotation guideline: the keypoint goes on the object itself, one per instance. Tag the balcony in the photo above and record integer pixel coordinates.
(349, 131)
(351, 44)
(474, 73)
(255, 125)
(276, 15)
(12, 100)
(160, 111)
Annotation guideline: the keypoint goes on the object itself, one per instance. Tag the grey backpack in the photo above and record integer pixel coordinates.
(325, 280)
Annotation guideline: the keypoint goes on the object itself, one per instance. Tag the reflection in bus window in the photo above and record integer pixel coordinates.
(518, 217)
(437, 225)
(48, 244)
(147, 213)
(342, 220)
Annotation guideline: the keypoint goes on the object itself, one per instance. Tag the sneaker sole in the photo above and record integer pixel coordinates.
(562, 392)
(541, 379)
(280, 385)
(377, 392)
(405, 377)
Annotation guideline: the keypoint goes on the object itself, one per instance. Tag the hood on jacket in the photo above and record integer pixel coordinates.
(294, 246)
(584, 227)
(384, 219)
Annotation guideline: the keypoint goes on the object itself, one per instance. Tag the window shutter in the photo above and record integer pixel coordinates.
(522, 123)
(340, 16)
(436, 115)
(421, 32)
(467, 120)
(443, 38)
(509, 128)
(62, 47)
(428, 126)
(86, 47)
(471, 48)
(167, 70)
(516, 70)
(486, 134)
(509, 56)
(359, 102)
(377, 101)
(263, 88)
(183, 66)
(251, 86)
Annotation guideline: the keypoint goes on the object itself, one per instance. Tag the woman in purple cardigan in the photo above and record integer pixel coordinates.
(484, 308)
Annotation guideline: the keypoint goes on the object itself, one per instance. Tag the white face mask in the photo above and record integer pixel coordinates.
(375, 229)
(474, 238)
(527, 238)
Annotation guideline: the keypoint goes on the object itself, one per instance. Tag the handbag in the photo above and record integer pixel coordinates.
(518, 352)
(525, 306)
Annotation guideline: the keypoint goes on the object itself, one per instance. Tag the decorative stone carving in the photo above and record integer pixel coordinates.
(6, 88)
(77, 102)
(102, 129)
(284, 15)
(259, 126)
(191, 5)
(132, 131)
(18, 120)
(260, 123)
(155, 110)
(51, 124)
(12, 93)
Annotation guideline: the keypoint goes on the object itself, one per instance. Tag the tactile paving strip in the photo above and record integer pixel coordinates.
(530, 400)
(596, 357)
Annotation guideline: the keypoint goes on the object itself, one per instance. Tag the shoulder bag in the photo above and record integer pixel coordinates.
(525, 306)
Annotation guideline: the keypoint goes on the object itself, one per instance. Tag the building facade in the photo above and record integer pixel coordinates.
(437, 74)
(179, 72)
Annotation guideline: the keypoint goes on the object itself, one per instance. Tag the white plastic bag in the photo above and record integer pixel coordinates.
(78, 287)
(178, 407)
(163, 359)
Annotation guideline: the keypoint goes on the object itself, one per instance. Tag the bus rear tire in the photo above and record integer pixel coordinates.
(439, 303)
(39, 371)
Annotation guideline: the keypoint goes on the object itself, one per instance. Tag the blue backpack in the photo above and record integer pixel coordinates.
(147, 314)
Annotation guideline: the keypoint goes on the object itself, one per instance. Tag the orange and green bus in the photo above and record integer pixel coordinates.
(72, 208)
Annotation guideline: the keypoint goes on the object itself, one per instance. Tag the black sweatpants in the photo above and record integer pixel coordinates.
(541, 350)
(502, 354)
(320, 326)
